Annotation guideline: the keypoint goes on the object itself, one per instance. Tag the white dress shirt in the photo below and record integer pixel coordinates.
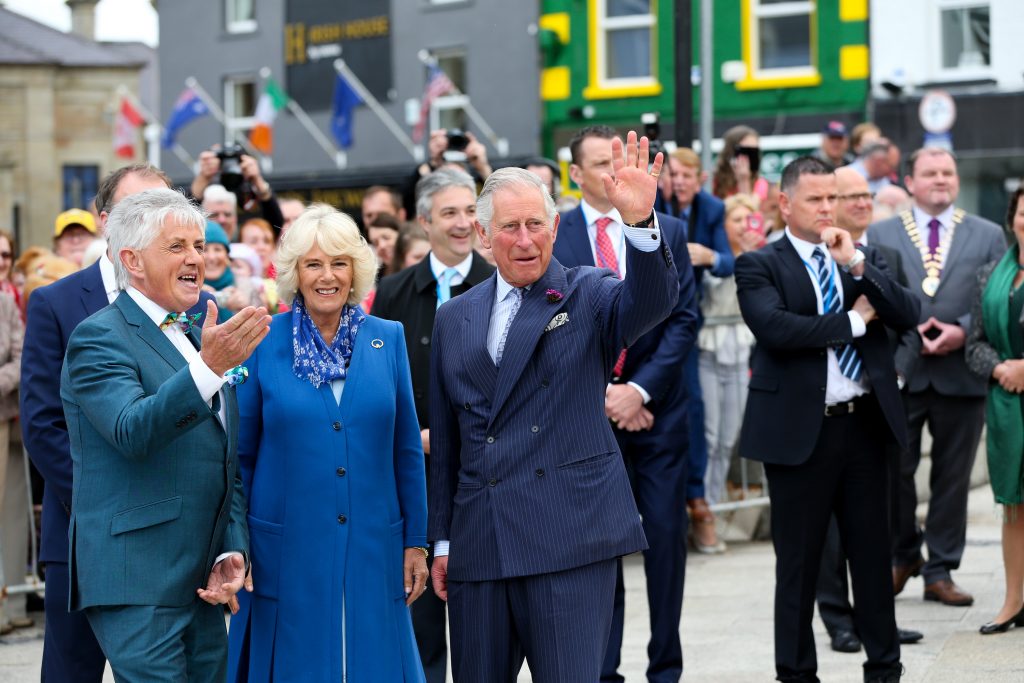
(461, 268)
(109, 279)
(839, 388)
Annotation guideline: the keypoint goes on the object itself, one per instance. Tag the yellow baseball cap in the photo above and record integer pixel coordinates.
(74, 217)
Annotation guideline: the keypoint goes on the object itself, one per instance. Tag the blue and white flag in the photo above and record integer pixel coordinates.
(188, 108)
(345, 100)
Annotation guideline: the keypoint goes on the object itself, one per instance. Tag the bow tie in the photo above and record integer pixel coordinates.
(185, 321)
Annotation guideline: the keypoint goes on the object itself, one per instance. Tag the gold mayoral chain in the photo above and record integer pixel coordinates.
(933, 263)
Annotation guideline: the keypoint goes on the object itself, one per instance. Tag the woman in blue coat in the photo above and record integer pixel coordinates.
(332, 463)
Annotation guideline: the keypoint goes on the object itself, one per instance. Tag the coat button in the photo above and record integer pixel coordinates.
(490, 439)
(467, 405)
(821, 388)
(425, 341)
(534, 429)
(492, 482)
(539, 473)
(545, 383)
(342, 519)
(336, 426)
(341, 471)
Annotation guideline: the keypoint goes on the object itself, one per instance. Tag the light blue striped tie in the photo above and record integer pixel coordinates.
(849, 359)
(444, 285)
(517, 299)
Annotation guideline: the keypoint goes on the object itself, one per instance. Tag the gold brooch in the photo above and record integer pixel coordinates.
(377, 343)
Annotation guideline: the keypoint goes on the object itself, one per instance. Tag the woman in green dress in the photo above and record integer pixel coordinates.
(995, 349)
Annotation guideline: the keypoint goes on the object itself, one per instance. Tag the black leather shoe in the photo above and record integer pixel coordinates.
(845, 641)
(1002, 627)
(891, 676)
(908, 636)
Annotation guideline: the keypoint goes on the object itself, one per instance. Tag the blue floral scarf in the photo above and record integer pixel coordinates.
(314, 359)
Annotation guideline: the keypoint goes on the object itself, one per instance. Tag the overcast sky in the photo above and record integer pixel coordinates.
(115, 19)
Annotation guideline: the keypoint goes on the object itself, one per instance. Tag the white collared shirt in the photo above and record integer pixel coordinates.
(838, 388)
(461, 268)
(109, 278)
(207, 381)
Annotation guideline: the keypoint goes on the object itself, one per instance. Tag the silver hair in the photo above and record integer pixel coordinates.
(441, 179)
(505, 178)
(138, 219)
(219, 193)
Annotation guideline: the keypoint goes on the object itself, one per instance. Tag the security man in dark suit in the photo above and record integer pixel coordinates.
(446, 207)
(822, 405)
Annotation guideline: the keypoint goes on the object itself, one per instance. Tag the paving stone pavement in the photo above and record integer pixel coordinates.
(727, 621)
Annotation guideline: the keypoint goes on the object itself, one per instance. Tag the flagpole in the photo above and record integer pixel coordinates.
(153, 150)
(218, 114)
(500, 144)
(338, 156)
(342, 68)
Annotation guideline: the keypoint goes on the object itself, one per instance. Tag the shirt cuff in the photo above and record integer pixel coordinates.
(857, 325)
(440, 548)
(641, 391)
(224, 556)
(716, 260)
(207, 381)
(644, 239)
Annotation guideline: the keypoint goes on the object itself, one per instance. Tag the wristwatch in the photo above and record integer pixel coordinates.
(858, 258)
(645, 223)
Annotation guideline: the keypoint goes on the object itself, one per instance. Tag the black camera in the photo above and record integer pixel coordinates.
(231, 167)
(652, 129)
(458, 141)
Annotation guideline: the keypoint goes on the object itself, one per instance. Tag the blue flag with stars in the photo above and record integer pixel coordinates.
(345, 100)
(188, 108)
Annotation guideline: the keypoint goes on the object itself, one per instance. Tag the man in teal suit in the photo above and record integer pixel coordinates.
(158, 537)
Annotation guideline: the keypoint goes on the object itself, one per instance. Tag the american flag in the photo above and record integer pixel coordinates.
(438, 84)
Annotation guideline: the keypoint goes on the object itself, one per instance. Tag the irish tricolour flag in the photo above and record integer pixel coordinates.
(271, 101)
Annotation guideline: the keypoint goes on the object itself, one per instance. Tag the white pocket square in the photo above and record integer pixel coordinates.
(559, 320)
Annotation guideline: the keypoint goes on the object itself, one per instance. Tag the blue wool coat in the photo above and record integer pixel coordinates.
(335, 495)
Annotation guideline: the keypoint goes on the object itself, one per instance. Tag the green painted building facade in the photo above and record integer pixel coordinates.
(785, 67)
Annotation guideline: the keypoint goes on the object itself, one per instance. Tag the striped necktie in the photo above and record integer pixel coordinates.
(517, 300)
(849, 359)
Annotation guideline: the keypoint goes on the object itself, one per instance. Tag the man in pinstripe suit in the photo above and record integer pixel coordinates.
(529, 500)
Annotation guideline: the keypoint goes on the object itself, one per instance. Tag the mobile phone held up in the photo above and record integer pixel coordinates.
(755, 223)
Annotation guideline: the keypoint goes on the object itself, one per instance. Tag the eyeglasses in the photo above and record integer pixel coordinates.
(858, 197)
(5, 255)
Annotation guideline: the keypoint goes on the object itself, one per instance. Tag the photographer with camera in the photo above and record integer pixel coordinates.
(240, 175)
(449, 147)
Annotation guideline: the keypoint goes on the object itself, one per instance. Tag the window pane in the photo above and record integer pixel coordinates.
(240, 10)
(965, 37)
(626, 8)
(785, 42)
(244, 99)
(81, 183)
(629, 53)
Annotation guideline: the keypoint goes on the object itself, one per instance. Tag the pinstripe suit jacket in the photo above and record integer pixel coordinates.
(525, 474)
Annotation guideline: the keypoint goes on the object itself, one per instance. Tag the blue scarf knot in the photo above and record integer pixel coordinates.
(314, 359)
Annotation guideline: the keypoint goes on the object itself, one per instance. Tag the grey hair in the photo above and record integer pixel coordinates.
(138, 219)
(505, 178)
(439, 180)
(219, 193)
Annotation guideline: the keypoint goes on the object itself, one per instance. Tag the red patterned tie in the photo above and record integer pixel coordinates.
(607, 259)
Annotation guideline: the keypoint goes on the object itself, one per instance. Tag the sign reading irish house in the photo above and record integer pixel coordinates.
(317, 32)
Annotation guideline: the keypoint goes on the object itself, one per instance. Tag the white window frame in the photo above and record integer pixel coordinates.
(235, 126)
(239, 25)
(958, 73)
(604, 24)
(795, 8)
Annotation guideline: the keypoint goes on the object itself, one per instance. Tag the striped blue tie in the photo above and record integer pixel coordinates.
(849, 359)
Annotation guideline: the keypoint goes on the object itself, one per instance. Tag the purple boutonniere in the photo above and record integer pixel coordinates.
(554, 296)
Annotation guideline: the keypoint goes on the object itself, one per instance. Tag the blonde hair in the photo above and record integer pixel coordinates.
(335, 233)
(741, 200)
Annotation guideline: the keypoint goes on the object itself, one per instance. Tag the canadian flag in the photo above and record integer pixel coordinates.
(126, 122)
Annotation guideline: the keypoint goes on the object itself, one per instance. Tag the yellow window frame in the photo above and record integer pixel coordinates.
(763, 79)
(600, 87)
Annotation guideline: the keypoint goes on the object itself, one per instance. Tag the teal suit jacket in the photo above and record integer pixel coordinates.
(157, 494)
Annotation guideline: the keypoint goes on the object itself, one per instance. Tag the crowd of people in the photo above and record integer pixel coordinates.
(332, 428)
